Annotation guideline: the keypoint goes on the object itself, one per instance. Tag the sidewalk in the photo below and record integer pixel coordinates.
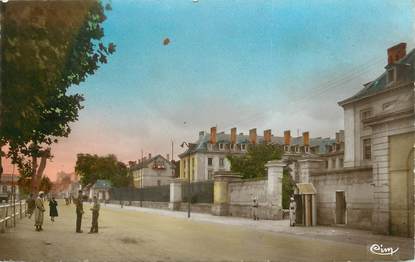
(338, 234)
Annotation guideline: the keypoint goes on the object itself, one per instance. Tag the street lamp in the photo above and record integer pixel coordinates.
(188, 180)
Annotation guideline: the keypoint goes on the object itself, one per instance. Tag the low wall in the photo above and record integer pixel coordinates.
(242, 192)
(241, 195)
(147, 204)
(356, 183)
(197, 208)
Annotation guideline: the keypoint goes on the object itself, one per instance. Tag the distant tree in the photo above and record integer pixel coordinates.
(46, 48)
(252, 164)
(90, 168)
(45, 184)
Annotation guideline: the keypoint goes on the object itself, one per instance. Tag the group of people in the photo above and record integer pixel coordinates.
(36, 207)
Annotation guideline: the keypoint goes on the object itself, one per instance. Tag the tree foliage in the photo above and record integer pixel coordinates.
(45, 185)
(252, 164)
(287, 188)
(90, 168)
(46, 48)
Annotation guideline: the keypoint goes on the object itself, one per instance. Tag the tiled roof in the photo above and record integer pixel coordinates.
(379, 84)
(102, 184)
(202, 143)
(146, 162)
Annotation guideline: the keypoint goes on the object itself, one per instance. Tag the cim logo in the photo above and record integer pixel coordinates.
(382, 251)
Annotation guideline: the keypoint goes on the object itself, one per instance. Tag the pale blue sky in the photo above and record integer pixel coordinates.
(265, 64)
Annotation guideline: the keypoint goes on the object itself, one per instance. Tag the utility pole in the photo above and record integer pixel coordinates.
(189, 193)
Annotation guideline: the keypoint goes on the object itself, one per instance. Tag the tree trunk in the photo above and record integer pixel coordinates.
(34, 168)
(40, 170)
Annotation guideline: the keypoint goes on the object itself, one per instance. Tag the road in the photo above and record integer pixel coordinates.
(130, 235)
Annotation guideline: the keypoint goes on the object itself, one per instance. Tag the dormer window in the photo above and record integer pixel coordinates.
(221, 146)
(391, 75)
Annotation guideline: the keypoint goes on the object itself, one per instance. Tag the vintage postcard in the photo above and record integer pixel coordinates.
(207, 130)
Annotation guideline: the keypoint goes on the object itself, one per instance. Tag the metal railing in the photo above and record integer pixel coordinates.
(9, 212)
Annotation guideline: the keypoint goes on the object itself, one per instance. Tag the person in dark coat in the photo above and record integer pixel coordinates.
(79, 212)
(53, 210)
(31, 205)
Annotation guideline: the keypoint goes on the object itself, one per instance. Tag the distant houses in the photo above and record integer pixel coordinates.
(152, 171)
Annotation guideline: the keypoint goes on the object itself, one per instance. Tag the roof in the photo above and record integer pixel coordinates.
(380, 83)
(145, 163)
(201, 145)
(306, 189)
(102, 184)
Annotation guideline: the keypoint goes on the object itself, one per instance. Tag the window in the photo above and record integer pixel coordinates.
(391, 75)
(326, 163)
(341, 163)
(221, 146)
(193, 162)
(210, 174)
(387, 106)
(210, 161)
(365, 114)
(243, 146)
(158, 182)
(333, 163)
(221, 162)
(367, 149)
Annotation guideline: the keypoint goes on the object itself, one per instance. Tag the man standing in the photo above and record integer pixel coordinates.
(293, 208)
(95, 214)
(31, 205)
(79, 212)
(39, 212)
(255, 209)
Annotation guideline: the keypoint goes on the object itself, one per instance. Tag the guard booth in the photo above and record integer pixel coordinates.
(305, 198)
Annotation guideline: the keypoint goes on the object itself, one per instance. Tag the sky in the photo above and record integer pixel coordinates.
(264, 64)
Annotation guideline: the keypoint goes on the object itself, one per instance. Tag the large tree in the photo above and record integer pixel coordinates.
(46, 48)
(90, 168)
(252, 164)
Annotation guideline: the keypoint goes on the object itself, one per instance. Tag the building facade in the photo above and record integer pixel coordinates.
(380, 133)
(152, 171)
(209, 153)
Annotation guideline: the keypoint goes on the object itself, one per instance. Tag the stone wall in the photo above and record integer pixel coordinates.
(241, 195)
(242, 192)
(357, 183)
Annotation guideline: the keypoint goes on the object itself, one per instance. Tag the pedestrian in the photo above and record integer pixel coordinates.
(95, 214)
(293, 208)
(255, 209)
(53, 210)
(30, 201)
(79, 212)
(39, 211)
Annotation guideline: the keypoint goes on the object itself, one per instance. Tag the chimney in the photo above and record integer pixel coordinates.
(213, 135)
(267, 136)
(252, 136)
(396, 52)
(306, 138)
(287, 137)
(233, 136)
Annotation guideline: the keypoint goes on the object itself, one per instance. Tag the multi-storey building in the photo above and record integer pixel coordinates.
(209, 153)
(380, 133)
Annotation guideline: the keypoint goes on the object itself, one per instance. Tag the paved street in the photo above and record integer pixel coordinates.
(133, 234)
